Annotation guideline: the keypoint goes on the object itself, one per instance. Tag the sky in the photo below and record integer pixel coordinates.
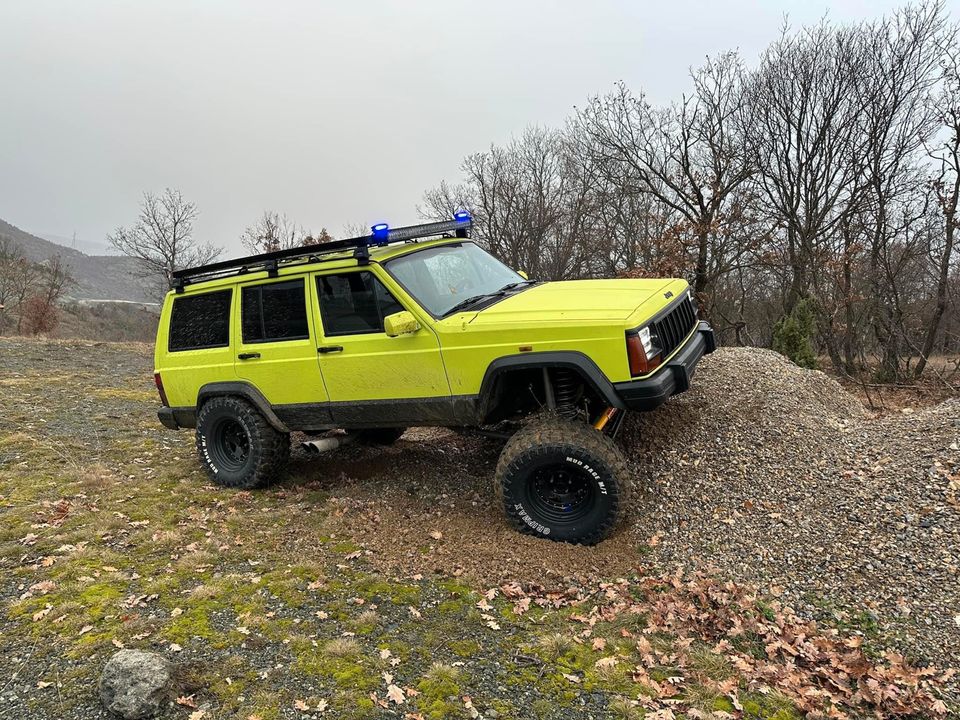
(335, 113)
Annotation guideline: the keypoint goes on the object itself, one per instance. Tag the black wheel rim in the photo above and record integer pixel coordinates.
(230, 445)
(561, 492)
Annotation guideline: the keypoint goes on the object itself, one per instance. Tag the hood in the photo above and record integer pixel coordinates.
(576, 301)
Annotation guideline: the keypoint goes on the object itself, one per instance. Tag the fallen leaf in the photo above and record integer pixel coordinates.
(606, 662)
(186, 701)
(436, 535)
(197, 714)
(572, 678)
(176, 612)
(395, 694)
(385, 653)
(599, 643)
(300, 705)
(43, 587)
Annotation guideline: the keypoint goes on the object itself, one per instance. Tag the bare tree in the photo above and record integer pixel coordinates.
(274, 231)
(946, 188)
(17, 278)
(690, 156)
(41, 312)
(162, 237)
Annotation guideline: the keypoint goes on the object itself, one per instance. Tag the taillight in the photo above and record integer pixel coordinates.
(163, 394)
(642, 354)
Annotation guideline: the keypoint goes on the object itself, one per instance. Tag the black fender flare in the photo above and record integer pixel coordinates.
(247, 392)
(571, 359)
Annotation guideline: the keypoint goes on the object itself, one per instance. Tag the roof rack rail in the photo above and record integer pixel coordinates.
(381, 234)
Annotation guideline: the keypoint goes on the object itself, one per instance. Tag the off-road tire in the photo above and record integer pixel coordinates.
(380, 436)
(224, 422)
(549, 447)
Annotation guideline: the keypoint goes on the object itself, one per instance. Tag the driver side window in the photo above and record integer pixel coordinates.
(354, 303)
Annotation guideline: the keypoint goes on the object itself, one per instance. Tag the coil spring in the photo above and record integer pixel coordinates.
(565, 391)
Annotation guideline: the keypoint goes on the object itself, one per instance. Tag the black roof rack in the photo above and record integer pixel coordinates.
(271, 261)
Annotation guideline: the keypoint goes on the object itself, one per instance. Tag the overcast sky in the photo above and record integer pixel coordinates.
(332, 112)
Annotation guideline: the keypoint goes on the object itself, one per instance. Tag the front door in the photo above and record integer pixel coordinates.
(373, 379)
(276, 351)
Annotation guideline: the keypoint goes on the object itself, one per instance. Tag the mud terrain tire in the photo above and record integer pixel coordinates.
(237, 447)
(380, 436)
(564, 481)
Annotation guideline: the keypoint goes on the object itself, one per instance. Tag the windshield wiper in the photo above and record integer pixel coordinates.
(477, 298)
(511, 286)
(470, 301)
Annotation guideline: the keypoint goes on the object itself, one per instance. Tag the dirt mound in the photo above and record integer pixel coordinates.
(743, 393)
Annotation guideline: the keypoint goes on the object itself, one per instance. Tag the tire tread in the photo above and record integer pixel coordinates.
(566, 435)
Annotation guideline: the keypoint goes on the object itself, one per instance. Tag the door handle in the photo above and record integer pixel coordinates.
(248, 356)
(329, 349)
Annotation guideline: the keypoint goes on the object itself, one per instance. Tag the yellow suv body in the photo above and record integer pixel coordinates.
(382, 333)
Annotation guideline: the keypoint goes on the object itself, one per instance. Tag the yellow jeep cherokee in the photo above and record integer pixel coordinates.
(420, 326)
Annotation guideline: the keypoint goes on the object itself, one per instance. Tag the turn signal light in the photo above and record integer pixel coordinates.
(640, 364)
(163, 393)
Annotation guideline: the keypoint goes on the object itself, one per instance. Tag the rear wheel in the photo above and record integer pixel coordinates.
(564, 481)
(237, 446)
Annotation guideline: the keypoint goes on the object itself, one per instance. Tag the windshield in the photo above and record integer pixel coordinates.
(443, 277)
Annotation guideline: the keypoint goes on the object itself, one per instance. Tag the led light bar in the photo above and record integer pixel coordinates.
(459, 226)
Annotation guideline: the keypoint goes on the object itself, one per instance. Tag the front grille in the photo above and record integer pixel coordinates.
(673, 327)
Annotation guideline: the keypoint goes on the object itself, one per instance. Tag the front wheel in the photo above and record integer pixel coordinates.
(563, 481)
(237, 446)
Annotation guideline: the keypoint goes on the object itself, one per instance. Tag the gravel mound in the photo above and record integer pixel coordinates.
(777, 476)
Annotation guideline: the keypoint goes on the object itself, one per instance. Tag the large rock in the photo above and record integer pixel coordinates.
(134, 683)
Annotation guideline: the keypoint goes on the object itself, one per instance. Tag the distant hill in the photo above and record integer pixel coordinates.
(87, 247)
(99, 277)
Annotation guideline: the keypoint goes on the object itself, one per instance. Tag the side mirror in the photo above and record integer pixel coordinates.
(401, 323)
(523, 274)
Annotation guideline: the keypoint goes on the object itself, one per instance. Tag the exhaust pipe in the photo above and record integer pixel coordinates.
(328, 443)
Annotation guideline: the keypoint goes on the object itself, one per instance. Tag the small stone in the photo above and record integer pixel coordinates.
(134, 683)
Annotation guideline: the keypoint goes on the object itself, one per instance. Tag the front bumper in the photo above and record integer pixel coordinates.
(673, 377)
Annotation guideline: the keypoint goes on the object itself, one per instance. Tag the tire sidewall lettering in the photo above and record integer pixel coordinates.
(530, 522)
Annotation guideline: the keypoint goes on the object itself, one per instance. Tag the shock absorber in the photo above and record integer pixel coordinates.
(565, 391)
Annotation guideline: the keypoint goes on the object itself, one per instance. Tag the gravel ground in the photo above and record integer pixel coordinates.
(778, 477)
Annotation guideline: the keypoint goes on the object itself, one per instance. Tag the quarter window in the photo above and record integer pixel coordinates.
(275, 311)
(200, 321)
(354, 303)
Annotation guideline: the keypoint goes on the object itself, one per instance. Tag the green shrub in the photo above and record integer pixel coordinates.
(793, 335)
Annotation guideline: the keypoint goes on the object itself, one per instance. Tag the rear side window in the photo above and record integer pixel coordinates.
(277, 311)
(354, 303)
(200, 321)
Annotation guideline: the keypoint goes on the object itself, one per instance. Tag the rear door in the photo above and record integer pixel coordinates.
(374, 379)
(273, 340)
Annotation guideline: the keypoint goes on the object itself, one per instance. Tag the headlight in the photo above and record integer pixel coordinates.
(646, 337)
